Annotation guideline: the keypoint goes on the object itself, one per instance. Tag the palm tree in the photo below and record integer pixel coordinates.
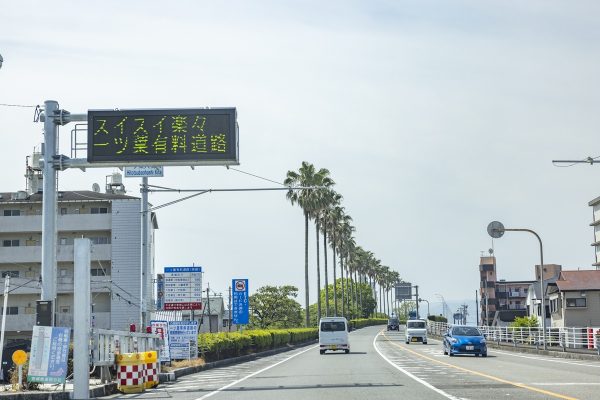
(331, 200)
(306, 179)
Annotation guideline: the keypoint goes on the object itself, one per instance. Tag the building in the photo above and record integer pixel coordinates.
(595, 204)
(534, 302)
(110, 220)
(501, 300)
(575, 299)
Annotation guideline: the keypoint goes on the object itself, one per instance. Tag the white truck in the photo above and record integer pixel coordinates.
(416, 331)
(333, 334)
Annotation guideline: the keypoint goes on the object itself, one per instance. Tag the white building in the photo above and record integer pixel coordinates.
(111, 220)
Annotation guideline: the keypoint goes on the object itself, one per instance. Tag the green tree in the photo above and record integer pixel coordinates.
(525, 322)
(311, 201)
(275, 307)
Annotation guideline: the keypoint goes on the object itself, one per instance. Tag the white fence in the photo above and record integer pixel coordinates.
(585, 338)
(107, 343)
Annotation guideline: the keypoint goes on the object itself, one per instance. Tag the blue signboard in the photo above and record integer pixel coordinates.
(183, 339)
(240, 306)
(49, 354)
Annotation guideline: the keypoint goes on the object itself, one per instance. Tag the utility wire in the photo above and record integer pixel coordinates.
(256, 176)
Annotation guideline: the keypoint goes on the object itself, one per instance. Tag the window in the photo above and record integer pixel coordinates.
(100, 240)
(573, 303)
(97, 272)
(63, 211)
(12, 310)
(12, 213)
(10, 243)
(99, 210)
(333, 326)
(11, 274)
(65, 309)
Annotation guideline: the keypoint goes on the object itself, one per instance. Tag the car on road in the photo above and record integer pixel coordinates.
(333, 334)
(416, 331)
(461, 339)
(393, 324)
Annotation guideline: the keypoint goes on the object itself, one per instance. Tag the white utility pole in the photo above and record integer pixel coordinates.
(6, 286)
(81, 319)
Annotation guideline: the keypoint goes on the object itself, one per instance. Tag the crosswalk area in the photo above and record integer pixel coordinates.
(208, 381)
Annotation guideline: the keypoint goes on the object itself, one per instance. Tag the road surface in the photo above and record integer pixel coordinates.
(382, 366)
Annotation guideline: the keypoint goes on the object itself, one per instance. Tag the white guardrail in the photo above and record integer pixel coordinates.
(584, 338)
(107, 343)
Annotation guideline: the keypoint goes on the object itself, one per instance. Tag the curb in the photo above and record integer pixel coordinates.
(173, 375)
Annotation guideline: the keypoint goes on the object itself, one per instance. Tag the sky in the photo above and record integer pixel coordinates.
(433, 117)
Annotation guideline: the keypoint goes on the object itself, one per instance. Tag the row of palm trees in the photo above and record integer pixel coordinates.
(312, 190)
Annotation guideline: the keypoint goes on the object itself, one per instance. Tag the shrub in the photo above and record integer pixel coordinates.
(362, 322)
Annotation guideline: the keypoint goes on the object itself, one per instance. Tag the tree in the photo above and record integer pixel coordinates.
(309, 200)
(525, 322)
(275, 307)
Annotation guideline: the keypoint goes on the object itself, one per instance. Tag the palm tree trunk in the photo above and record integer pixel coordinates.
(342, 277)
(326, 274)
(335, 307)
(353, 291)
(306, 297)
(318, 273)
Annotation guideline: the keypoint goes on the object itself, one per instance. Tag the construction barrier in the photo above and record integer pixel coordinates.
(130, 375)
(151, 369)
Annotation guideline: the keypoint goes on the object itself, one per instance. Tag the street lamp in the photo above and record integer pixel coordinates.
(427, 301)
(496, 230)
(443, 304)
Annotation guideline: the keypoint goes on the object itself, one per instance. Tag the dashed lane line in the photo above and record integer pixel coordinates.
(495, 378)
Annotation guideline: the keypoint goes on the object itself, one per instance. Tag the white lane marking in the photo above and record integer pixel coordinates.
(567, 384)
(405, 372)
(254, 374)
(581, 364)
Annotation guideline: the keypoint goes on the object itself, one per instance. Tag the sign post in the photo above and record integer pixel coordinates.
(241, 303)
(19, 357)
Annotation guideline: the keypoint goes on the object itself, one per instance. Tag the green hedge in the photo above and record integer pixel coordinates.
(362, 322)
(217, 346)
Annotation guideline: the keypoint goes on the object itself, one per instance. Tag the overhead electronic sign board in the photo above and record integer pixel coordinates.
(169, 136)
(403, 291)
(183, 288)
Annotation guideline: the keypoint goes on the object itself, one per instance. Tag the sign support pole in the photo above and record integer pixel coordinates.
(49, 204)
(81, 319)
(144, 255)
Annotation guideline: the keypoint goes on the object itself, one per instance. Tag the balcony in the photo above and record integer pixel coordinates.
(64, 284)
(27, 254)
(20, 322)
(70, 222)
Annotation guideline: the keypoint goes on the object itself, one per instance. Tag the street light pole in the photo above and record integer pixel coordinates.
(496, 230)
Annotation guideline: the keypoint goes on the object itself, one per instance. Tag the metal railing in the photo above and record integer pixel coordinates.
(106, 344)
(581, 338)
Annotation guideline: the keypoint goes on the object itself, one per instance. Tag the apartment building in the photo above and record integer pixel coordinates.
(111, 220)
(501, 300)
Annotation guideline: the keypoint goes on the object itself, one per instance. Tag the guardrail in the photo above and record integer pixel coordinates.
(107, 343)
(582, 338)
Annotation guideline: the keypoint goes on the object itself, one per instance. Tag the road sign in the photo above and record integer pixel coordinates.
(19, 357)
(183, 339)
(161, 328)
(403, 291)
(49, 354)
(495, 229)
(240, 313)
(170, 136)
(146, 171)
(183, 288)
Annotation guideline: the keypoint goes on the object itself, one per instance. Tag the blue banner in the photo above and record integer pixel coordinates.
(241, 304)
(49, 354)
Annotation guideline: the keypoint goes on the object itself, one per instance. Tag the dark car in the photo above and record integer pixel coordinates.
(393, 324)
(464, 340)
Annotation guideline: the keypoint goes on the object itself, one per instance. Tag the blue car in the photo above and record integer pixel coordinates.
(464, 340)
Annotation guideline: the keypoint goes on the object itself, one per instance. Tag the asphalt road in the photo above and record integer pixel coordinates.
(382, 366)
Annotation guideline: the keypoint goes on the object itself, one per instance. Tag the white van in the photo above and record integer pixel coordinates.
(333, 334)
(416, 331)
